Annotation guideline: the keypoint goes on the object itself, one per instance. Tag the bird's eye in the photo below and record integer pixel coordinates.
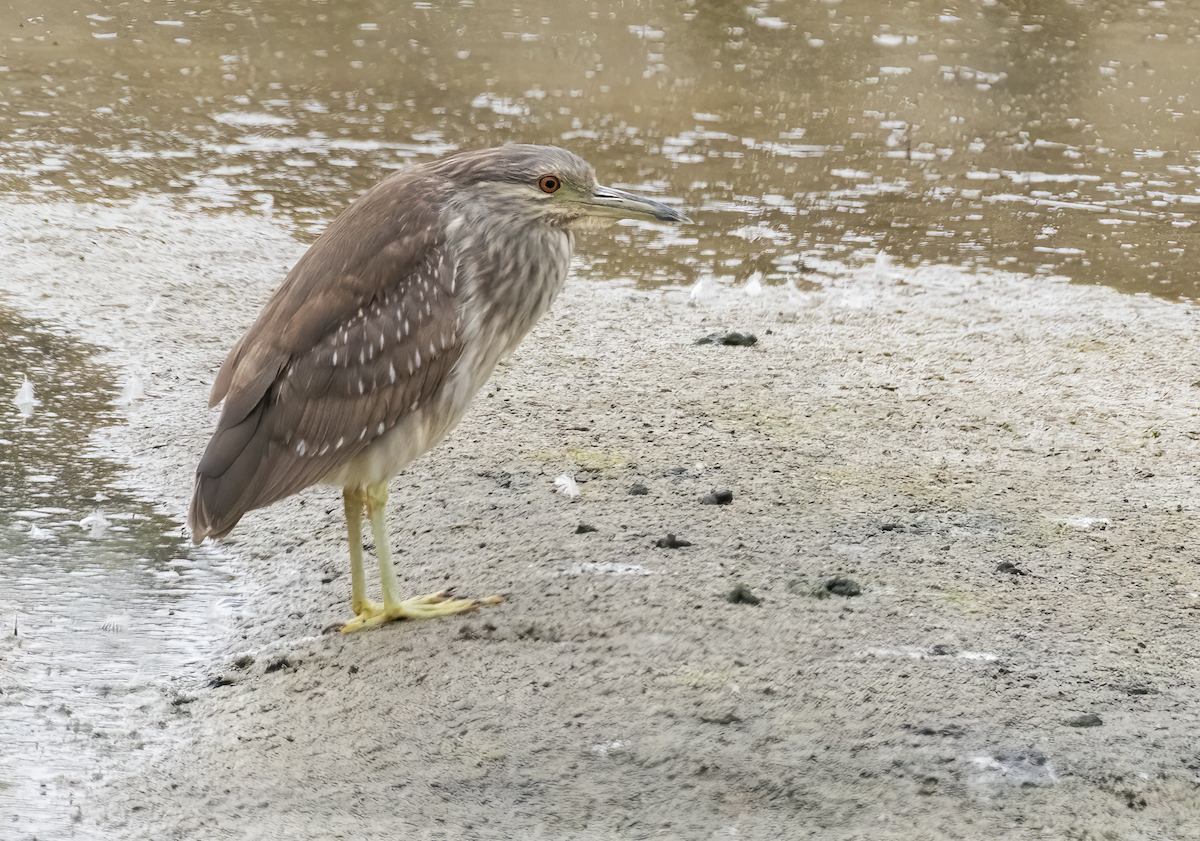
(549, 184)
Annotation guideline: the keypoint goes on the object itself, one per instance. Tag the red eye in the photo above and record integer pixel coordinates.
(549, 184)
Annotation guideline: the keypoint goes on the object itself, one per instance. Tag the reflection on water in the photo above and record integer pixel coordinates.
(101, 600)
(1039, 137)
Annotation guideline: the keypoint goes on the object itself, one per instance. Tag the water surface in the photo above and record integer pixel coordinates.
(102, 601)
(1051, 137)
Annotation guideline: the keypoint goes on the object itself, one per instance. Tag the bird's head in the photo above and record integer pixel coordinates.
(546, 184)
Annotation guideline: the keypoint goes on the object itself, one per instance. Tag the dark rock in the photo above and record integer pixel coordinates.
(1010, 568)
(639, 490)
(583, 528)
(839, 585)
(671, 542)
(741, 595)
(717, 498)
(1085, 720)
(1134, 800)
(276, 665)
(222, 680)
(730, 339)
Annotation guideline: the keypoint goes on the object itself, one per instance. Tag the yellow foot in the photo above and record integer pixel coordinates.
(419, 607)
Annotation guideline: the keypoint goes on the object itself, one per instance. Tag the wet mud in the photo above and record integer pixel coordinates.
(989, 478)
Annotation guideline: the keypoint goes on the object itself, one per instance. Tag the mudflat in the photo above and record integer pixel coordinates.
(917, 563)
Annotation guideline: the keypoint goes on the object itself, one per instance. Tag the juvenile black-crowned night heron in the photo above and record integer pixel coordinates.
(376, 342)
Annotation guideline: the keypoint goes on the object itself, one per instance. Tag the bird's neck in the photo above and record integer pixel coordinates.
(512, 271)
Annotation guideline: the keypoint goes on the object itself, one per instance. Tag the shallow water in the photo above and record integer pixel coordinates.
(1039, 137)
(101, 599)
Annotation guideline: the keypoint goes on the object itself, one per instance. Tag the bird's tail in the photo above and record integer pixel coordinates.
(226, 476)
(203, 521)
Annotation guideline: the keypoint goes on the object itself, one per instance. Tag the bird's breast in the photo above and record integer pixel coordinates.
(503, 283)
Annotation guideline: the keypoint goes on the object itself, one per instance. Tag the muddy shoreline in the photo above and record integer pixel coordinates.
(1003, 464)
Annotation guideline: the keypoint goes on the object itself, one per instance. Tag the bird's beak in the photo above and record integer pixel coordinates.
(618, 204)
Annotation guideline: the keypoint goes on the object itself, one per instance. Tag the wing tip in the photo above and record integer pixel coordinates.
(201, 522)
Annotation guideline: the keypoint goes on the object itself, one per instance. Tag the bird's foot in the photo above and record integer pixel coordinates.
(442, 603)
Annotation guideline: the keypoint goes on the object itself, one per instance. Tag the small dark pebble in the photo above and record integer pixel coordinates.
(1085, 720)
(353, 670)
(540, 634)
(1010, 568)
(182, 700)
(836, 586)
(501, 478)
(942, 650)
(734, 339)
(893, 527)
(717, 498)
(952, 730)
(741, 595)
(671, 542)
(584, 528)
(244, 662)
(841, 586)
(639, 490)
(223, 680)
(276, 665)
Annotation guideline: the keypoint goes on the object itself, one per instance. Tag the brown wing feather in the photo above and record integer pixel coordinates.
(341, 352)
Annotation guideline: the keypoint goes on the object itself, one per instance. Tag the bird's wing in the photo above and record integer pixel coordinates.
(359, 335)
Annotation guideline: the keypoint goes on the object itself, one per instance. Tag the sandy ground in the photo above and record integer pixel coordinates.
(1003, 465)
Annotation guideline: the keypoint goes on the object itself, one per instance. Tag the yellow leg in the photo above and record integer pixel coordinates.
(368, 614)
(354, 501)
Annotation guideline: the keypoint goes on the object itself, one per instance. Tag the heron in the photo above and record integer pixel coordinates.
(371, 350)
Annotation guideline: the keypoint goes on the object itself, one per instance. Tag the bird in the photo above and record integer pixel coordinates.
(371, 350)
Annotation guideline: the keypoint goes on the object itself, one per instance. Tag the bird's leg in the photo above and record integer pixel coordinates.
(377, 510)
(420, 607)
(355, 501)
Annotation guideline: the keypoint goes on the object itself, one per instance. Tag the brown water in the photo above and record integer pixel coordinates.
(1044, 137)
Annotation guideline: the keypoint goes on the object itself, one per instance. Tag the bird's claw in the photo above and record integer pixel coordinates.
(441, 603)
